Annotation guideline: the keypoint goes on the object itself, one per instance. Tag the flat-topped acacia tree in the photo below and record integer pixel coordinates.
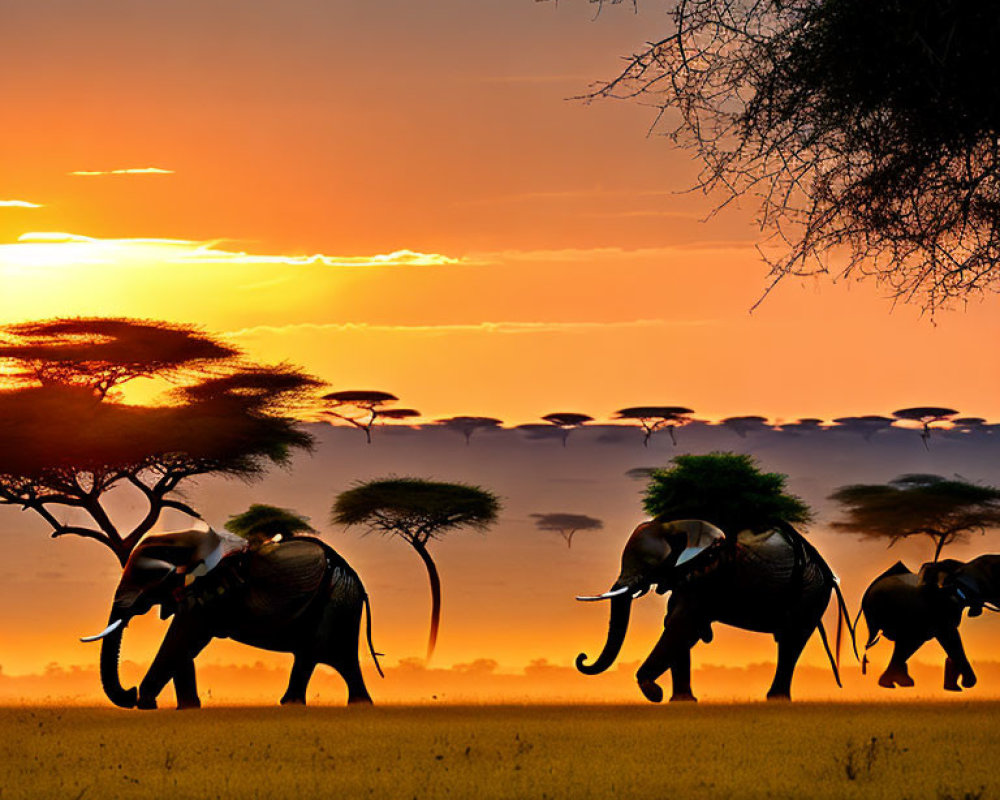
(655, 418)
(926, 416)
(566, 524)
(67, 441)
(918, 505)
(363, 407)
(417, 511)
(567, 422)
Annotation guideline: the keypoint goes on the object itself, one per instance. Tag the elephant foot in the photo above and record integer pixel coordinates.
(969, 679)
(890, 679)
(146, 703)
(186, 705)
(651, 691)
(951, 676)
(683, 697)
(289, 700)
(360, 700)
(779, 697)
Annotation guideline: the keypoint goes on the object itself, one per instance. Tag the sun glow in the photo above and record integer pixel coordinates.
(57, 249)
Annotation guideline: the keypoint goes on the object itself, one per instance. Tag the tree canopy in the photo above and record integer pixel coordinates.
(945, 510)
(566, 524)
(65, 445)
(866, 131)
(655, 418)
(469, 425)
(363, 407)
(727, 489)
(261, 523)
(417, 510)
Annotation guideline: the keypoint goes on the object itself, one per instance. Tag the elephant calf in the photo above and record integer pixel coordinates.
(298, 596)
(910, 609)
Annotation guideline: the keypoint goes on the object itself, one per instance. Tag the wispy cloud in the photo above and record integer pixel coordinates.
(93, 173)
(451, 328)
(19, 204)
(53, 249)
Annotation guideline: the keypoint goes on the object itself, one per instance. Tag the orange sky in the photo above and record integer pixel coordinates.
(399, 196)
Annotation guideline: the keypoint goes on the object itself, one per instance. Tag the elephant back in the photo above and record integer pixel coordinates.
(282, 579)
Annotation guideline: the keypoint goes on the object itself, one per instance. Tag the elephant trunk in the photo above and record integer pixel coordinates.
(111, 683)
(621, 606)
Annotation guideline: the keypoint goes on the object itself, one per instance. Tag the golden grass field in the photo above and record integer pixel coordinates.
(942, 751)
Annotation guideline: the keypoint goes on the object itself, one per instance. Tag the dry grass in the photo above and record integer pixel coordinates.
(894, 751)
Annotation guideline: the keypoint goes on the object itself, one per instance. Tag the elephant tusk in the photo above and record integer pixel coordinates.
(108, 630)
(640, 593)
(606, 596)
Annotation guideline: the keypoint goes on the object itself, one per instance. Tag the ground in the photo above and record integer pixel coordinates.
(940, 751)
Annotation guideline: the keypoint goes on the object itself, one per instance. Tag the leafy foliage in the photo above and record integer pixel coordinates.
(66, 445)
(918, 505)
(726, 489)
(261, 522)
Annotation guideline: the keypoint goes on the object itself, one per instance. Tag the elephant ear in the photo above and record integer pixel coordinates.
(936, 574)
(698, 537)
(283, 578)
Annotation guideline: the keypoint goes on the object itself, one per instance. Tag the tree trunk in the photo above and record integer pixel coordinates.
(435, 580)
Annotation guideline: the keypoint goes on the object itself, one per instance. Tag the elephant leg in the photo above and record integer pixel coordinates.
(897, 674)
(790, 646)
(302, 670)
(951, 641)
(680, 673)
(186, 685)
(184, 640)
(350, 671)
(681, 630)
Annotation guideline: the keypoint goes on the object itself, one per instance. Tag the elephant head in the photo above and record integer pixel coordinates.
(973, 584)
(157, 567)
(650, 558)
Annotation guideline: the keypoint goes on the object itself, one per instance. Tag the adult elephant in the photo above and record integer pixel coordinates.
(772, 581)
(911, 608)
(296, 596)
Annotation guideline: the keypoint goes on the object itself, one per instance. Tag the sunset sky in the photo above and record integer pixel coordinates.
(402, 196)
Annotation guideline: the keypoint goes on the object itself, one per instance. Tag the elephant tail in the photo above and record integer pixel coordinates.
(844, 618)
(371, 647)
(829, 653)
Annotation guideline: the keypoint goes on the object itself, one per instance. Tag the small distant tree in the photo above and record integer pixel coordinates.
(362, 407)
(539, 432)
(803, 425)
(67, 441)
(945, 510)
(469, 425)
(925, 415)
(655, 418)
(727, 489)
(261, 523)
(866, 426)
(567, 524)
(567, 421)
(640, 473)
(417, 511)
(741, 426)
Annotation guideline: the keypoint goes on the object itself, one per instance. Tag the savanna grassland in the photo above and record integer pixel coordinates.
(941, 751)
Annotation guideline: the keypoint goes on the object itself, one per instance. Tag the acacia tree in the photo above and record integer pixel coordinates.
(362, 407)
(925, 415)
(67, 441)
(469, 425)
(262, 523)
(918, 505)
(566, 524)
(866, 426)
(727, 489)
(567, 421)
(741, 426)
(898, 176)
(655, 418)
(417, 511)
